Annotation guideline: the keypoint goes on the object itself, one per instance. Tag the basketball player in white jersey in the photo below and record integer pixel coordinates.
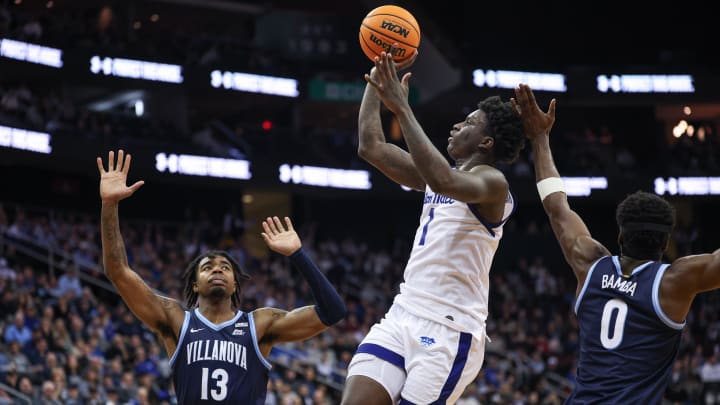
(430, 344)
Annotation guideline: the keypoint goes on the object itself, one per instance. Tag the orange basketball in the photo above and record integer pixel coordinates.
(386, 25)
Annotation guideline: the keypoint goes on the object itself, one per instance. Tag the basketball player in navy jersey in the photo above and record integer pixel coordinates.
(430, 344)
(218, 352)
(631, 308)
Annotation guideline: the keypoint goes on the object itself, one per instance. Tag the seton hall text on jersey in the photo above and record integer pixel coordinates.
(619, 283)
(218, 350)
(431, 198)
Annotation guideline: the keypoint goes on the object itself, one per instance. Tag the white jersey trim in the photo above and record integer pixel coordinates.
(251, 321)
(585, 285)
(217, 327)
(183, 329)
(656, 300)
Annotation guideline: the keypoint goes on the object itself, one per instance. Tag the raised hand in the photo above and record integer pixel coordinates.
(535, 122)
(113, 187)
(384, 78)
(279, 239)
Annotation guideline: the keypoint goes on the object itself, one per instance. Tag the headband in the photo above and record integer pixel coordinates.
(646, 226)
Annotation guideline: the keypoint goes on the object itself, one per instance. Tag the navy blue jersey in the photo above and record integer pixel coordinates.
(219, 364)
(627, 343)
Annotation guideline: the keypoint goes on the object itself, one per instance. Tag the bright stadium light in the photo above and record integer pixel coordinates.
(325, 177)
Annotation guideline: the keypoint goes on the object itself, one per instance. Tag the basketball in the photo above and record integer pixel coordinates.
(386, 25)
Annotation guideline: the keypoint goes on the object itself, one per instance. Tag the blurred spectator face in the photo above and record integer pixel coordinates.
(51, 360)
(105, 18)
(25, 386)
(73, 391)
(14, 347)
(11, 374)
(48, 390)
(19, 319)
(142, 396)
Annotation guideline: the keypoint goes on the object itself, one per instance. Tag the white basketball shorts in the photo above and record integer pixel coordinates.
(417, 360)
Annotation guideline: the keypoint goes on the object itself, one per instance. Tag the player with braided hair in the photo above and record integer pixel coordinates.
(218, 352)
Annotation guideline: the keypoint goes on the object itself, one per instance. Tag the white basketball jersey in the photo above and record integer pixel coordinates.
(446, 278)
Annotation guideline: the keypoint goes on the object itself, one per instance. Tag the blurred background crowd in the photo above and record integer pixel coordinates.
(67, 338)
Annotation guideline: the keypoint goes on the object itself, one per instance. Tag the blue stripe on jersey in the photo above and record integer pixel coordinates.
(404, 401)
(382, 353)
(492, 225)
(457, 368)
(627, 349)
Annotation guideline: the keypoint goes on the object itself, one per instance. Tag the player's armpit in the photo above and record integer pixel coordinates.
(276, 326)
(162, 315)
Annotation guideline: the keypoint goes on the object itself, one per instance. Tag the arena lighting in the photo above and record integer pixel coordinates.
(688, 186)
(193, 165)
(509, 79)
(32, 53)
(136, 69)
(646, 83)
(325, 177)
(583, 186)
(276, 86)
(22, 139)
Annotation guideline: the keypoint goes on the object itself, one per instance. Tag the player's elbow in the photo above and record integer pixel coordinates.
(331, 316)
(369, 152)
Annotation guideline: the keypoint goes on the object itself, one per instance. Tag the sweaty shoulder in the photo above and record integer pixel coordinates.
(493, 179)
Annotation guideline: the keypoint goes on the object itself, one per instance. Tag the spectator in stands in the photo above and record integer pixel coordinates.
(6, 273)
(69, 283)
(49, 395)
(18, 331)
(710, 376)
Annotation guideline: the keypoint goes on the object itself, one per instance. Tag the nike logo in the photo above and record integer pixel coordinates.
(193, 330)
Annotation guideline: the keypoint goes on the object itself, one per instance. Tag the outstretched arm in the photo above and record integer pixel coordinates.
(163, 315)
(579, 248)
(390, 159)
(275, 325)
(687, 277)
(477, 186)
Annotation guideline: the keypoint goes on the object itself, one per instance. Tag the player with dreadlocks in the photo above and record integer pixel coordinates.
(218, 351)
(631, 308)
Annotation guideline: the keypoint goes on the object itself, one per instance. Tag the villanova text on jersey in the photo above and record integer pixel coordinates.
(627, 343)
(219, 364)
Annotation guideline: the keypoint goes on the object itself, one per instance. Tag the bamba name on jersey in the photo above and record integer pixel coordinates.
(219, 350)
(619, 283)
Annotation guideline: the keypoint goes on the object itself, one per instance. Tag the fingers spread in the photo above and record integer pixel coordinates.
(100, 165)
(126, 165)
(267, 227)
(278, 224)
(289, 224)
(120, 160)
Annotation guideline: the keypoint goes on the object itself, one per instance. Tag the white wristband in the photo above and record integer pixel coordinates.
(550, 185)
